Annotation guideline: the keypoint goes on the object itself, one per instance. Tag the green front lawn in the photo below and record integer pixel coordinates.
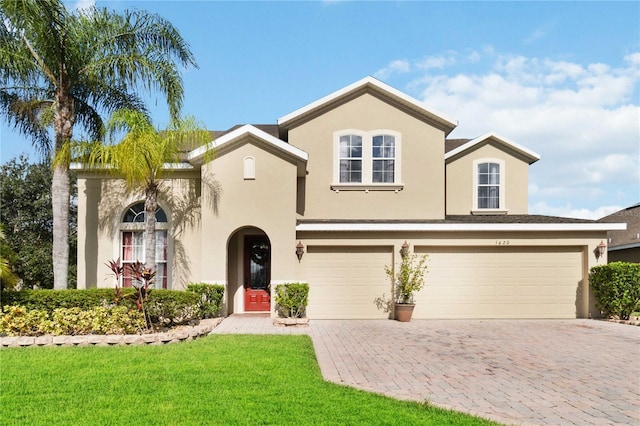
(220, 379)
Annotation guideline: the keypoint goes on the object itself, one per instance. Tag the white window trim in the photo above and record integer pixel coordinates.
(367, 162)
(139, 226)
(503, 181)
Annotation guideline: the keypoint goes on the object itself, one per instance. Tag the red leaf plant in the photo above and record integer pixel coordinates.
(116, 270)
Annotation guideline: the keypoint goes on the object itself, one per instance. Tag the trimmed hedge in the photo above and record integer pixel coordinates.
(292, 299)
(616, 287)
(210, 298)
(49, 300)
(35, 312)
(20, 321)
(168, 307)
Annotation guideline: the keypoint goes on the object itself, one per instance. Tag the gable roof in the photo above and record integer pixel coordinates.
(373, 86)
(630, 237)
(230, 139)
(526, 154)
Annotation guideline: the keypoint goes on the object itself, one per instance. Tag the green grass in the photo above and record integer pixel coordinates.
(227, 380)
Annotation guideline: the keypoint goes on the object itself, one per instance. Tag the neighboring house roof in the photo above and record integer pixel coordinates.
(372, 86)
(463, 223)
(623, 239)
(459, 147)
(451, 144)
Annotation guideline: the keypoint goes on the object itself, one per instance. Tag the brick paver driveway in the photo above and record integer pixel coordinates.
(557, 372)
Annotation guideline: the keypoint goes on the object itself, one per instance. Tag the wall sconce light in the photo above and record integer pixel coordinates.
(404, 251)
(299, 250)
(600, 250)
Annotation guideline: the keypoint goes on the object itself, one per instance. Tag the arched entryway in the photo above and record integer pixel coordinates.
(249, 271)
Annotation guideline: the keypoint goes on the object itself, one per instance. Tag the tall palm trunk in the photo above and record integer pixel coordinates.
(60, 191)
(150, 207)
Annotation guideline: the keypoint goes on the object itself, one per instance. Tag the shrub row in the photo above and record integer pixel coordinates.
(55, 310)
(616, 287)
(20, 321)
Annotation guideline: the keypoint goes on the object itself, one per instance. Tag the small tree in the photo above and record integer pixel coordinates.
(409, 277)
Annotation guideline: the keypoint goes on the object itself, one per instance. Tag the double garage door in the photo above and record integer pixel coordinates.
(462, 282)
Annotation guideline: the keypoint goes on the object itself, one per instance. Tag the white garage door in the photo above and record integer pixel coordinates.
(345, 281)
(500, 282)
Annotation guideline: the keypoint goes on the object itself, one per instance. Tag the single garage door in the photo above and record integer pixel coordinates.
(345, 281)
(501, 282)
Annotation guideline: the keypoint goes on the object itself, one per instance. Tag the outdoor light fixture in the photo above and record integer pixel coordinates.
(404, 251)
(299, 250)
(600, 250)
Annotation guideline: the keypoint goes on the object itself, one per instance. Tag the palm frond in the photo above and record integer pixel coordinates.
(25, 115)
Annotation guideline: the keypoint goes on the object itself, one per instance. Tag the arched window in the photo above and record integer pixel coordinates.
(132, 244)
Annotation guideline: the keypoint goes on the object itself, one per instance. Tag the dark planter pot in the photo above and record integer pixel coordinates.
(404, 311)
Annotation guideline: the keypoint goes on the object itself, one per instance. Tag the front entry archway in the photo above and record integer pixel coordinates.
(257, 273)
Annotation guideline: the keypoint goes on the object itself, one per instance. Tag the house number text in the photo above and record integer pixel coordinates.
(502, 242)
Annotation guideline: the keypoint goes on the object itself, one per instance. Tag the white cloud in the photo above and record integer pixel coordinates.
(397, 66)
(83, 4)
(569, 211)
(584, 120)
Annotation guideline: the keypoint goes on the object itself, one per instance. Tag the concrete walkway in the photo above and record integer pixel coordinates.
(556, 372)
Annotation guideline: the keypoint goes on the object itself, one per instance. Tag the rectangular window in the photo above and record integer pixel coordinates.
(488, 186)
(133, 246)
(383, 159)
(350, 159)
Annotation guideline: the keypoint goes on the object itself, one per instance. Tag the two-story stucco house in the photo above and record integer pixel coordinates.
(329, 195)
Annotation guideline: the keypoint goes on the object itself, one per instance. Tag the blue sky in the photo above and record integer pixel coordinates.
(560, 78)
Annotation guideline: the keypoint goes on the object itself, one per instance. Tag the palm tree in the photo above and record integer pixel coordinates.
(59, 68)
(142, 158)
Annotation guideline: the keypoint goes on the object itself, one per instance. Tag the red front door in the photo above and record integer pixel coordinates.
(257, 273)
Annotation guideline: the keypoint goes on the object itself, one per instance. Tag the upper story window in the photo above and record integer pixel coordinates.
(384, 158)
(350, 159)
(489, 185)
(366, 160)
(133, 245)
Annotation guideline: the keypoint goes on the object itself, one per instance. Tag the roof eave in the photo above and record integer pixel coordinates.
(197, 155)
(531, 156)
(449, 227)
(446, 123)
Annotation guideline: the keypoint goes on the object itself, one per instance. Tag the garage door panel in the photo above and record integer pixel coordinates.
(500, 282)
(344, 281)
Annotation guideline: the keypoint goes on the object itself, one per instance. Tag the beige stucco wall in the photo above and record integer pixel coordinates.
(101, 205)
(460, 180)
(248, 206)
(422, 165)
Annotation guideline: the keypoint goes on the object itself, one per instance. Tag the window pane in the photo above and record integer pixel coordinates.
(160, 280)
(136, 214)
(383, 171)
(483, 168)
(351, 171)
(161, 246)
(383, 146)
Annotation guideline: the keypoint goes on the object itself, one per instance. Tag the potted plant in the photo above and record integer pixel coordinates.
(407, 280)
